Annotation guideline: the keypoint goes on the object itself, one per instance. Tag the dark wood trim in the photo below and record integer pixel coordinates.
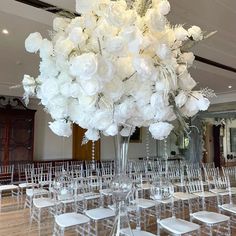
(46, 6)
(215, 64)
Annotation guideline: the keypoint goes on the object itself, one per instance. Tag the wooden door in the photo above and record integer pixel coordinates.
(83, 152)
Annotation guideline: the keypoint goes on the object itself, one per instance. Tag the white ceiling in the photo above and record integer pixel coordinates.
(210, 15)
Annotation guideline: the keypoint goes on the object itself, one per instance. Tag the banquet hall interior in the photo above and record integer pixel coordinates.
(182, 184)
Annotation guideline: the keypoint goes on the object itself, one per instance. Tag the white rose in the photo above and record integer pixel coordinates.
(77, 36)
(29, 85)
(186, 82)
(164, 7)
(92, 134)
(33, 42)
(202, 102)
(86, 101)
(159, 100)
(155, 21)
(163, 51)
(196, 33)
(47, 68)
(180, 33)
(65, 89)
(115, 45)
(116, 13)
(147, 112)
(112, 130)
(190, 108)
(165, 114)
(84, 66)
(61, 128)
(188, 58)
(114, 89)
(144, 67)
(160, 130)
(58, 107)
(75, 90)
(84, 6)
(60, 23)
(181, 98)
(102, 119)
(64, 47)
(46, 49)
(106, 69)
(74, 110)
(49, 88)
(90, 87)
(124, 110)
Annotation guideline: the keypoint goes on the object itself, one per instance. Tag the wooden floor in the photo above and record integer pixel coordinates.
(14, 221)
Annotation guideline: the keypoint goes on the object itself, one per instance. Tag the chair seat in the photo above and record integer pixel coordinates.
(137, 233)
(209, 217)
(8, 187)
(220, 191)
(205, 194)
(184, 196)
(71, 219)
(229, 207)
(31, 192)
(26, 185)
(178, 226)
(145, 203)
(89, 196)
(106, 192)
(99, 213)
(43, 202)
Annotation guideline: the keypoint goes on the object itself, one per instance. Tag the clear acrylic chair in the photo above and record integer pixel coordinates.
(6, 182)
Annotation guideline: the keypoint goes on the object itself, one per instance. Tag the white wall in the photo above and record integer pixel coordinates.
(136, 150)
(47, 145)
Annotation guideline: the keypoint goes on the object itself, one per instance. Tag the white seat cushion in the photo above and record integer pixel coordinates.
(220, 191)
(99, 213)
(43, 202)
(137, 233)
(71, 219)
(209, 217)
(8, 187)
(26, 185)
(205, 194)
(229, 207)
(145, 203)
(31, 192)
(184, 196)
(178, 226)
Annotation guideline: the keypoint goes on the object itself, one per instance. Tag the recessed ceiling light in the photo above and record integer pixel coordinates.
(5, 31)
(230, 86)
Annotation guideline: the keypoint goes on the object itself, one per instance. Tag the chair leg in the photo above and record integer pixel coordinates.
(229, 227)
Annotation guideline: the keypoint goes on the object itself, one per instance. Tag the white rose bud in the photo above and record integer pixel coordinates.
(84, 66)
(180, 33)
(164, 7)
(196, 33)
(61, 128)
(92, 134)
(181, 98)
(160, 130)
(33, 42)
(29, 85)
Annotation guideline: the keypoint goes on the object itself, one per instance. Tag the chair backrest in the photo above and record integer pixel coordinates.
(194, 186)
(21, 171)
(44, 165)
(6, 174)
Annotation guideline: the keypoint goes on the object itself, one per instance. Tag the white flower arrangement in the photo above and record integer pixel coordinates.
(118, 64)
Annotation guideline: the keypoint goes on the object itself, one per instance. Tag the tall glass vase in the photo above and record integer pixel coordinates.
(121, 187)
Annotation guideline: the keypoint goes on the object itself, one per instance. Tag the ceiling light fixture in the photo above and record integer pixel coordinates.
(230, 86)
(5, 31)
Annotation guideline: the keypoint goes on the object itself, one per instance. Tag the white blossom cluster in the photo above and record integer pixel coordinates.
(115, 67)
